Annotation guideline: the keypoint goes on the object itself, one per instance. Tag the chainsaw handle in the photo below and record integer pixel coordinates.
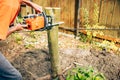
(47, 21)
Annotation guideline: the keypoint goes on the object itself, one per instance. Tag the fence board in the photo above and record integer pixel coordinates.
(43, 3)
(23, 11)
(116, 14)
(83, 6)
(103, 12)
(109, 14)
(110, 9)
(67, 12)
(92, 9)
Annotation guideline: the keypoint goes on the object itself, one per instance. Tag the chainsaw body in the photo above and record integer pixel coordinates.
(35, 21)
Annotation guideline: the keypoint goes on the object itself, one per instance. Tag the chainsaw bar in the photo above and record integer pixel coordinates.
(49, 26)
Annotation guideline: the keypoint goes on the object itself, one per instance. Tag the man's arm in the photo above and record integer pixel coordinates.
(33, 5)
(15, 28)
(19, 27)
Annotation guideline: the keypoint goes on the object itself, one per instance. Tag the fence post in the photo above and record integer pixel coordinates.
(77, 17)
(53, 44)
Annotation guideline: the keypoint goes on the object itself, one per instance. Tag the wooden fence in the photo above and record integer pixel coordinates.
(108, 15)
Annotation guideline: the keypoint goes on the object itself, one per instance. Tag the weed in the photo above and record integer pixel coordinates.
(28, 46)
(19, 19)
(108, 46)
(18, 38)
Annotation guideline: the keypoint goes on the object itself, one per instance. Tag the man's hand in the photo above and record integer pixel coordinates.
(18, 27)
(37, 8)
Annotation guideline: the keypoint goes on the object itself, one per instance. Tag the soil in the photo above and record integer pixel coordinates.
(34, 61)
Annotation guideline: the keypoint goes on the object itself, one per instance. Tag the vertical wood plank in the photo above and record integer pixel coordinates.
(72, 10)
(23, 11)
(115, 19)
(83, 6)
(116, 14)
(43, 3)
(81, 13)
(94, 17)
(103, 12)
(98, 3)
(119, 20)
(110, 12)
(66, 12)
(91, 10)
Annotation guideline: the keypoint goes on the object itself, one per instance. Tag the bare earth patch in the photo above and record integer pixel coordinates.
(34, 62)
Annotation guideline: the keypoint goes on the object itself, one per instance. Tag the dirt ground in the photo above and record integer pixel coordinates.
(34, 61)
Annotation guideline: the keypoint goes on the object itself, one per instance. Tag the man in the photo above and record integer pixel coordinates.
(9, 9)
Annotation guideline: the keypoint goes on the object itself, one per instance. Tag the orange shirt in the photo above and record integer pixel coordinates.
(8, 11)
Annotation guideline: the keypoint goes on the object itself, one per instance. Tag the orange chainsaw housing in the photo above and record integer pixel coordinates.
(35, 23)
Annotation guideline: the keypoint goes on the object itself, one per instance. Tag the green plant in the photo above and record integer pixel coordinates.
(108, 45)
(32, 34)
(31, 40)
(18, 38)
(82, 37)
(27, 46)
(84, 73)
(19, 19)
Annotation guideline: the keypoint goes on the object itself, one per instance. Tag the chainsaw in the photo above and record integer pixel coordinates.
(39, 21)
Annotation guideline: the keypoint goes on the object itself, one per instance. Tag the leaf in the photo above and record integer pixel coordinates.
(89, 79)
(76, 77)
(75, 70)
(99, 77)
(72, 77)
(79, 75)
(68, 77)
